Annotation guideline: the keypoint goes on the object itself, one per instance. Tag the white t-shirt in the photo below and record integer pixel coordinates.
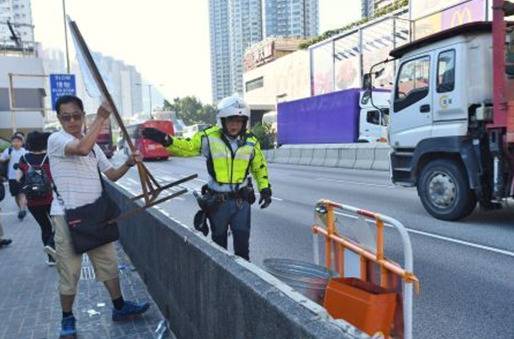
(76, 177)
(16, 154)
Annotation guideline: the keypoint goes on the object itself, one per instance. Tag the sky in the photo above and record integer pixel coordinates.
(166, 40)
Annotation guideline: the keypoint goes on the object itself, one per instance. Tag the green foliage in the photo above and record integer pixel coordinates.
(397, 4)
(265, 135)
(191, 110)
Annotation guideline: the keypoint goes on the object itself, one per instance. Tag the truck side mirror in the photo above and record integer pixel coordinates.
(366, 96)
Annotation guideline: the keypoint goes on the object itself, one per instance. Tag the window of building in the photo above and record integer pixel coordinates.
(254, 84)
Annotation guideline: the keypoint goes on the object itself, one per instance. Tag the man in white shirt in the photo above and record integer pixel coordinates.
(12, 156)
(75, 162)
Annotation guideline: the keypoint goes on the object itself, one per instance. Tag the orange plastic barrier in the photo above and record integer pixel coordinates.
(365, 305)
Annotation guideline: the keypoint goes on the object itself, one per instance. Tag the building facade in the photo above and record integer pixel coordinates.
(220, 49)
(291, 18)
(236, 25)
(245, 19)
(19, 14)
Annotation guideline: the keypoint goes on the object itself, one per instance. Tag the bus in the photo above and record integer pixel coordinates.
(149, 149)
(104, 138)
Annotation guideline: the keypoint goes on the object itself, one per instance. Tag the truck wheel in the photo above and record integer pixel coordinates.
(444, 190)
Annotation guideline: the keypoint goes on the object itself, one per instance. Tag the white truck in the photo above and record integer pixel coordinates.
(452, 117)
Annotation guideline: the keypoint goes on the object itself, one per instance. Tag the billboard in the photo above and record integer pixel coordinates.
(347, 66)
(427, 21)
(322, 68)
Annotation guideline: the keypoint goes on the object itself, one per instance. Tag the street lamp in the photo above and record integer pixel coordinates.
(66, 35)
(149, 95)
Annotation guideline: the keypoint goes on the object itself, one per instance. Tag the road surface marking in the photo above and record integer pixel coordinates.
(440, 237)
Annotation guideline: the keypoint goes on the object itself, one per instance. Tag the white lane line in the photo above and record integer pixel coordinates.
(356, 182)
(440, 237)
(278, 199)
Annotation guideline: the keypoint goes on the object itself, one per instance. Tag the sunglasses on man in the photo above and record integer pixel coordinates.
(73, 116)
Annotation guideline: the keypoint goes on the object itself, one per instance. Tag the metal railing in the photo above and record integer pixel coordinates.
(336, 245)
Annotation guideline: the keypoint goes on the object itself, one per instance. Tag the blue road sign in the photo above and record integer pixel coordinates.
(61, 84)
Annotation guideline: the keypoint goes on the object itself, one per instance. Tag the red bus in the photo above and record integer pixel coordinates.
(149, 149)
(104, 139)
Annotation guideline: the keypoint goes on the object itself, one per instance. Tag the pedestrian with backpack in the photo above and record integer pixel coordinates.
(11, 156)
(36, 181)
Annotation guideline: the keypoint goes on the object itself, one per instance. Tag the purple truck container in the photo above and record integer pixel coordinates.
(331, 118)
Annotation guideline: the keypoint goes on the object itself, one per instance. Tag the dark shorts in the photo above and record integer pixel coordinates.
(14, 187)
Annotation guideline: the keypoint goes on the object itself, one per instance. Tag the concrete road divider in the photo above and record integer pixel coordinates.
(271, 155)
(318, 158)
(204, 292)
(359, 156)
(331, 157)
(365, 154)
(306, 156)
(381, 158)
(347, 156)
(294, 156)
(281, 155)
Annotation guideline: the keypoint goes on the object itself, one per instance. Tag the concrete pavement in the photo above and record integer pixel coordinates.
(29, 303)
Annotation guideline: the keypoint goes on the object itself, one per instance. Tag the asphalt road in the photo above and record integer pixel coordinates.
(466, 268)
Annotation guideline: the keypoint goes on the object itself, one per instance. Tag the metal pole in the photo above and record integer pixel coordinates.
(150, 96)
(66, 36)
(12, 103)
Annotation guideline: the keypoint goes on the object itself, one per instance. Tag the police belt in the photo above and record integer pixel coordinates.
(244, 193)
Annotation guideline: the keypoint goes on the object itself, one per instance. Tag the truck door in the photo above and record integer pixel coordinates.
(450, 111)
(411, 119)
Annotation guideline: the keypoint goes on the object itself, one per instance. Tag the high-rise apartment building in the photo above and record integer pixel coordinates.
(245, 20)
(220, 49)
(19, 14)
(369, 7)
(235, 25)
(291, 18)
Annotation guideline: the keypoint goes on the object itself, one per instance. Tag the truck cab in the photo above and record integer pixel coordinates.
(374, 116)
(442, 129)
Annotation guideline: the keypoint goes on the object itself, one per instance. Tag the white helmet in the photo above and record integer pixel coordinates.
(231, 106)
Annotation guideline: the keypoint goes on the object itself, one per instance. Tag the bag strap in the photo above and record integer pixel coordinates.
(98, 169)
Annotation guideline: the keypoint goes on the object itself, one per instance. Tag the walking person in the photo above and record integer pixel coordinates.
(3, 241)
(36, 181)
(232, 153)
(76, 162)
(11, 156)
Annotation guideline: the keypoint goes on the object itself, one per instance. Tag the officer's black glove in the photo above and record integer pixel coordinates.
(265, 199)
(159, 137)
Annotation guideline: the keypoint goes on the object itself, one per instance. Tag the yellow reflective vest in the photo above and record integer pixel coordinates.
(225, 166)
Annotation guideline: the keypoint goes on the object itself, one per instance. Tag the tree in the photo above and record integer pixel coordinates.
(191, 110)
(264, 133)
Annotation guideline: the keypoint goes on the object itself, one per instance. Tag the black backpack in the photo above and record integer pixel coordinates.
(36, 182)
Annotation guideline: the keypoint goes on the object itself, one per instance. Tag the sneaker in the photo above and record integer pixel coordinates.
(22, 214)
(50, 261)
(129, 310)
(68, 329)
(5, 242)
(50, 251)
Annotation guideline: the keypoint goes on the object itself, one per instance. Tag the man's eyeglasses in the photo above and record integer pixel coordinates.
(69, 117)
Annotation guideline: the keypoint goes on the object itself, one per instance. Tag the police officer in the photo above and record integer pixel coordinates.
(232, 153)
